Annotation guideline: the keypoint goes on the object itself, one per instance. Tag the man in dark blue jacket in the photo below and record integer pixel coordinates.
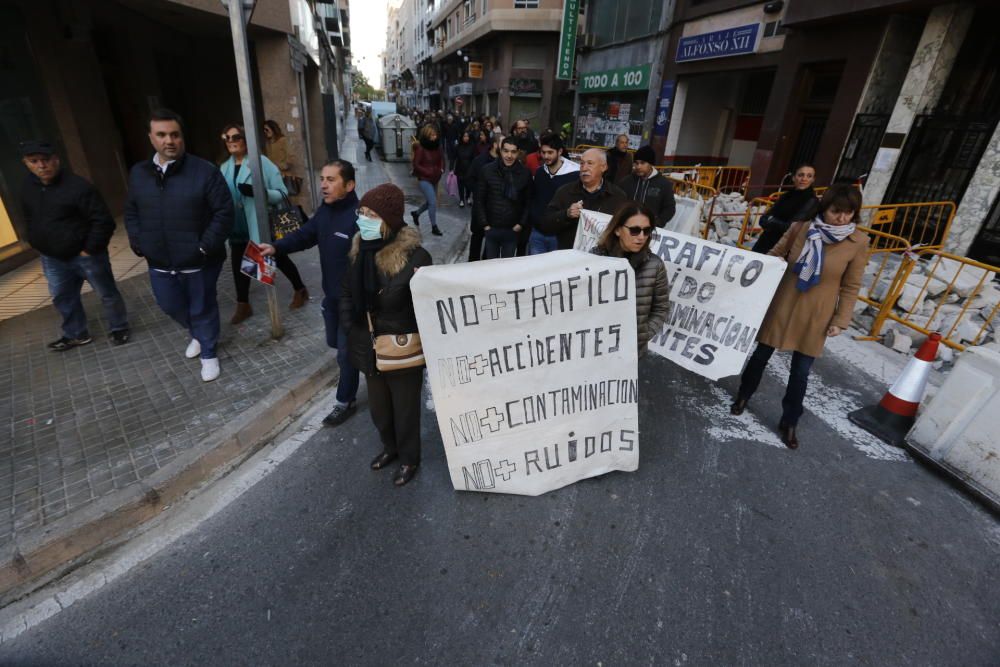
(178, 215)
(332, 228)
(70, 227)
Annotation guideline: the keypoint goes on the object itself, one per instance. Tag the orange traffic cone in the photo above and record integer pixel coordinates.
(893, 417)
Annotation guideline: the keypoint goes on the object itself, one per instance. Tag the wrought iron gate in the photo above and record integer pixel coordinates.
(862, 145)
(939, 158)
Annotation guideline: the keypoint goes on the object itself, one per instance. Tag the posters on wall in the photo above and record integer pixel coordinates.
(601, 118)
(532, 364)
(719, 295)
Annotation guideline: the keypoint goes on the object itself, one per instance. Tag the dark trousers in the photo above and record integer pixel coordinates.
(500, 243)
(65, 278)
(369, 144)
(190, 300)
(336, 337)
(476, 245)
(464, 191)
(242, 280)
(798, 379)
(394, 399)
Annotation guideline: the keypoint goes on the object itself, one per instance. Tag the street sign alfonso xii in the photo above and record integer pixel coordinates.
(719, 44)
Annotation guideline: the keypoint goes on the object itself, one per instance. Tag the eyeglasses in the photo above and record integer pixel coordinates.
(232, 138)
(636, 231)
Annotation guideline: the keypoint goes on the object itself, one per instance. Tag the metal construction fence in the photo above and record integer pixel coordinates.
(935, 290)
(909, 278)
(723, 179)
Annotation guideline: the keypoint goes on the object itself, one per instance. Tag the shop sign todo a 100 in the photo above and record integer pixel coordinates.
(614, 80)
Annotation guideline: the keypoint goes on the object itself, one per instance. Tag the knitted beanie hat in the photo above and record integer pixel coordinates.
(387, 201)
(646, 154)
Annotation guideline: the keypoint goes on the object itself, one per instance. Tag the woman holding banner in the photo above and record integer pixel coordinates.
(628, 236)
(815, 299)
(376, 303)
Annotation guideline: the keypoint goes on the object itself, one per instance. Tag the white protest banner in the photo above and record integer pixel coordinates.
(533, 367)
(719, 295)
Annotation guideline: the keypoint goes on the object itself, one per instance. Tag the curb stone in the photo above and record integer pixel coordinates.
(45, 555)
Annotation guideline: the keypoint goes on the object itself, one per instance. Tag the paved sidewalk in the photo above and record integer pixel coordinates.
(81, 427)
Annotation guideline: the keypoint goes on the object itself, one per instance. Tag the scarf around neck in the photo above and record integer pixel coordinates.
(366, 277)
(809, 265)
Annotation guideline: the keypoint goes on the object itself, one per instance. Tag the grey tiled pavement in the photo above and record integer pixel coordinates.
(80, 425)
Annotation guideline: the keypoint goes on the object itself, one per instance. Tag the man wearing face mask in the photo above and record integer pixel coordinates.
(332, 227)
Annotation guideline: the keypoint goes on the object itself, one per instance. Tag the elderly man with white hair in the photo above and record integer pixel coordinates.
(591, 192)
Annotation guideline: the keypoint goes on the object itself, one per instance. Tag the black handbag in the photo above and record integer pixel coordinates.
(285, 218)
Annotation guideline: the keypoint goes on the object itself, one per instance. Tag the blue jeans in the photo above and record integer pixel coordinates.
(65, 278)
(798, 379)
(539, 244)
(429, 191)
(500, 243)
(336, 337)
(190, 300)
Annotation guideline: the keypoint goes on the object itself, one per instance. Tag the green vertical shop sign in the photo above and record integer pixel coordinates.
(567, 39)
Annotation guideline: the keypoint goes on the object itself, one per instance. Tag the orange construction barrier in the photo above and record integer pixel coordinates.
(948, 279)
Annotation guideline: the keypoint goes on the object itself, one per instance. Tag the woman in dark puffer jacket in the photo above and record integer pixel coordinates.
(628, 236)
(384, 257)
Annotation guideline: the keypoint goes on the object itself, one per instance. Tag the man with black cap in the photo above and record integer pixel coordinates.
(645, 185)
(70, 226)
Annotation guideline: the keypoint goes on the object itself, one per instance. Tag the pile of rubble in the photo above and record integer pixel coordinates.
(937, 293)
(727, 217)
(727, 213)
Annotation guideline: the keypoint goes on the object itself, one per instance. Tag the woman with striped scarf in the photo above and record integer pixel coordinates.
(826, 259)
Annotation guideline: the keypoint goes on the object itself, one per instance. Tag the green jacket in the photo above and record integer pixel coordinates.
(245, 227)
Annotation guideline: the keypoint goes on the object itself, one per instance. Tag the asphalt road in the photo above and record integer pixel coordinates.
(722, 549)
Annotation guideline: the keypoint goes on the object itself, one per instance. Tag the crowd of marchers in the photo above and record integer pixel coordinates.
(185, 215)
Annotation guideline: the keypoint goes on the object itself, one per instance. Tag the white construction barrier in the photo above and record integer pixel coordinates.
(957, 429)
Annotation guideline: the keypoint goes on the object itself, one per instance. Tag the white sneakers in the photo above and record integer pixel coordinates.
(210, 369)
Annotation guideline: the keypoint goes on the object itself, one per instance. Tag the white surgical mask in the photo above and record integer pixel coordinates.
(371, 229)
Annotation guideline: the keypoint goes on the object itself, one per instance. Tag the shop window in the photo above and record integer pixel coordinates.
(613, 21)
(530, 57)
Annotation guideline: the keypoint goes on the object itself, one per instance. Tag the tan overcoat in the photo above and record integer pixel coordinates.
(798, 320)
(278, 153)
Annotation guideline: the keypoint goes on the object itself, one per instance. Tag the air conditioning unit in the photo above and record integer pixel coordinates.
(587, 41)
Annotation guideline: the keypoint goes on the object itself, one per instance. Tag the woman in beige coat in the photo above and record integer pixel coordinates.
(815, 300)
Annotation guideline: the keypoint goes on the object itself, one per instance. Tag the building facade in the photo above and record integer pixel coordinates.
(619, 70)
(903, 93)
(85, 74)
(498, 57)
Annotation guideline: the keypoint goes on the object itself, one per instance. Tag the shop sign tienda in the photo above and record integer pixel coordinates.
(613, 80)
(719, 44)
(567, 39)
